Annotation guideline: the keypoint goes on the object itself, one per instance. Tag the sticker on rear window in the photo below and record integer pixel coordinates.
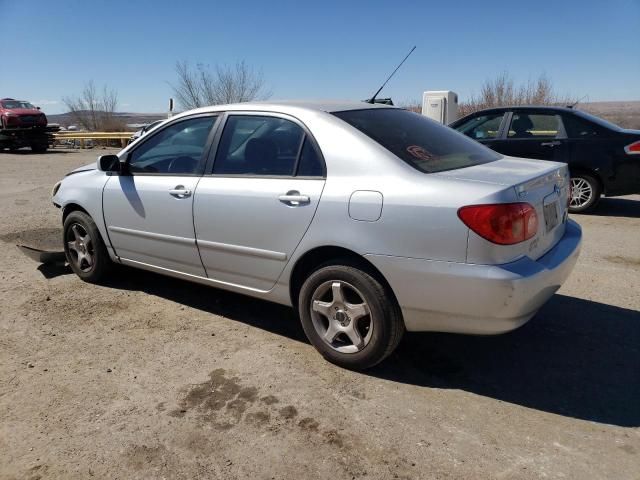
(420, 153)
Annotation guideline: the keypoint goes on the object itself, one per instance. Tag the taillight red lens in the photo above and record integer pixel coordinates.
(502, 223)
(633, 149)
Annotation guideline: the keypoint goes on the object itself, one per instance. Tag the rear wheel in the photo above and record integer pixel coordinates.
(585, 193)
(84, 248)
(349, 316)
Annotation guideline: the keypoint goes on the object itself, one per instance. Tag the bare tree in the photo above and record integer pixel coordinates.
(93, 110)
(502, 91)
(201, 86)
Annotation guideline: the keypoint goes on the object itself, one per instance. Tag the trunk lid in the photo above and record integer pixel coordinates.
(542, 184)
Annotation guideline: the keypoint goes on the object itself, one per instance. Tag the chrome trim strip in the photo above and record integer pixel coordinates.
(153, 236)
(191, 277)
(240, 250)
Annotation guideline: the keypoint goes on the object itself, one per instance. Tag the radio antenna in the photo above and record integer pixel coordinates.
(373, 99)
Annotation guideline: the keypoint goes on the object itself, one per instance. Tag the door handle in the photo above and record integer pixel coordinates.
(550, 144)
(294, 199)
(180, 192)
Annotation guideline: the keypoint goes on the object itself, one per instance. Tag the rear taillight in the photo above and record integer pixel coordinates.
(502, 223)
(633, 149)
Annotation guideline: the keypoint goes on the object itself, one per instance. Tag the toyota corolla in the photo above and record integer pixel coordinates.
(369, 220)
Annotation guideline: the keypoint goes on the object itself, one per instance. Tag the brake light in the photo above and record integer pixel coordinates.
(633, 149)
(502, 223)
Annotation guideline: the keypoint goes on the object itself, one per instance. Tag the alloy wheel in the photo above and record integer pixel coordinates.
(341, 316)
(80, 247)
(581, 192)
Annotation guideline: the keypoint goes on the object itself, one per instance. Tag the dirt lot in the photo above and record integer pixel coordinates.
(150, 377)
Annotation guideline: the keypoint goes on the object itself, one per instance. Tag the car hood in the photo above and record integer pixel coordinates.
(85, 168)
(24, 111)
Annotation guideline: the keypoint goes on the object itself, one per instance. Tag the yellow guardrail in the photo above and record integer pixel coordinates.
(83, 136)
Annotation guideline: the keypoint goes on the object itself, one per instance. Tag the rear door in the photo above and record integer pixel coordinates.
(256, 203)
(149, 212)
(534, 134)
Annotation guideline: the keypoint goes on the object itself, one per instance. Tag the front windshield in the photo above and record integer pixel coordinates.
(13, 104)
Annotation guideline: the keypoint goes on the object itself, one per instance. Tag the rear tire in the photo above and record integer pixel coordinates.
(349, 316)
(83, 246)
(585, 193)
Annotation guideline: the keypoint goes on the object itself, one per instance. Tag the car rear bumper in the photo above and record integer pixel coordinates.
(478, 299)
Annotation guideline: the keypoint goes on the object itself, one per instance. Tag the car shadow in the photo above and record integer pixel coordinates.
(618, 207)
(268, 316)
(576, 358)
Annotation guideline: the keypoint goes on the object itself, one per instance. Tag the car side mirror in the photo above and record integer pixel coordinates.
(38, 108)
(109, 163)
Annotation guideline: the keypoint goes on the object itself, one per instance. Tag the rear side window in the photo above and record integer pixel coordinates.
(310, 164)
(534, 125)
(261, 145)
(424, 144)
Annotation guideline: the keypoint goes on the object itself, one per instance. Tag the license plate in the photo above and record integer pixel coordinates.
(551, 215)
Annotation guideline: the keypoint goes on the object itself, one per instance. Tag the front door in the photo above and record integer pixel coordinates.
(538, 135)
(149, 211)
(253, 209)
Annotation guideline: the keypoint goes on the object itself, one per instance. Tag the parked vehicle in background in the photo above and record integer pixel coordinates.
(603, 158)
(366, 218)
(22, 125)
(145, 129)
(20, 114)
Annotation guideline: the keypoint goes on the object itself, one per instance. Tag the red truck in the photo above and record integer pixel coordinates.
(22, 125)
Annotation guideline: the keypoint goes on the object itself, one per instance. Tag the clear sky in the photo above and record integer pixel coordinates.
(320, 49)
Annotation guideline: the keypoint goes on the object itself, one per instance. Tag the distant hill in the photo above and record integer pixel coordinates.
(65, 119)
(625, 114)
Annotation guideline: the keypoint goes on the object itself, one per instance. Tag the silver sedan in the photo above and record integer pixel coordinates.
(369, 220)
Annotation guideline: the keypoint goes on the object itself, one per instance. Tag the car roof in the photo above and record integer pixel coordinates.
(527, 107)
(292, 106)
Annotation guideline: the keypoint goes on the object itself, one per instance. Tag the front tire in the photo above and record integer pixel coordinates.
(349, 316)
(84, 248)
(585, 193)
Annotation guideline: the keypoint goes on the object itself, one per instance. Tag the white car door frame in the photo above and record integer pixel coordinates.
(149, 216)
(247, 225)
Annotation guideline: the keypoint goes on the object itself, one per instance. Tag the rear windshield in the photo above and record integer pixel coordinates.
(424, 144)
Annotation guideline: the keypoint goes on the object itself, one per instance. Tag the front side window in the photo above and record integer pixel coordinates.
(534, 125)
(177, 149)
(482, 127)
(424, 144)
(257, 145)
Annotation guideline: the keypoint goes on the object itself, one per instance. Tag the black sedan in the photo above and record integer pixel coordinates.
(603, 158)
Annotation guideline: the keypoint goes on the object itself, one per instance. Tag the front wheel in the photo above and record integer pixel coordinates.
(585, 193)
(84, 248)
(349, 316)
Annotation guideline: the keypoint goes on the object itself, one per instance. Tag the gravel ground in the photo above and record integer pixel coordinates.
(151, 377)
